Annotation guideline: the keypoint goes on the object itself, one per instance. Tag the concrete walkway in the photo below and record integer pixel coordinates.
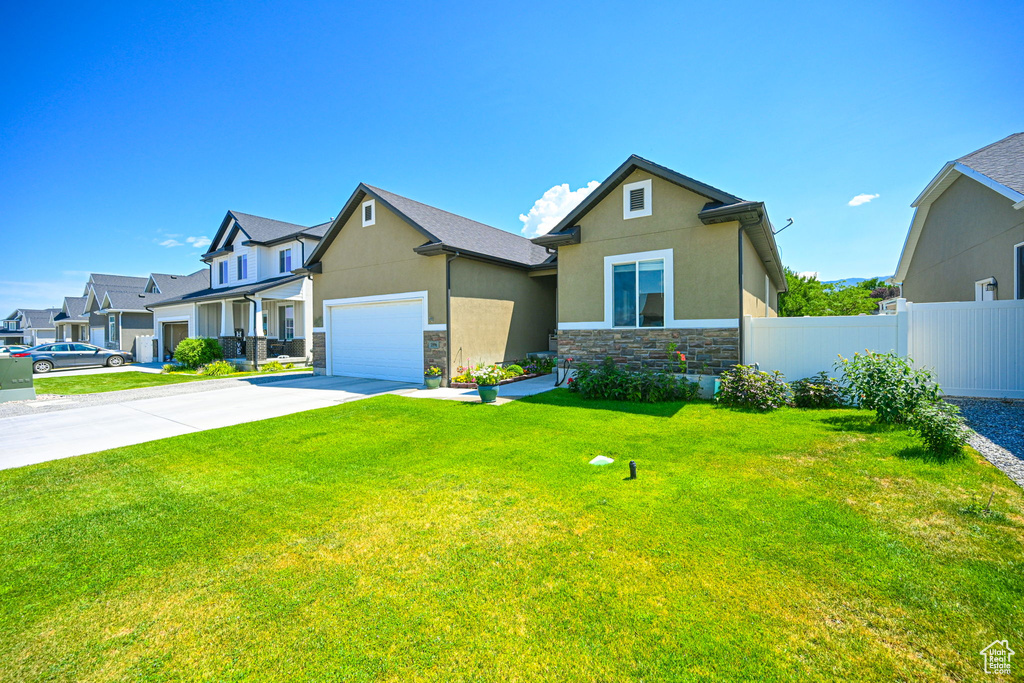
(60, 434)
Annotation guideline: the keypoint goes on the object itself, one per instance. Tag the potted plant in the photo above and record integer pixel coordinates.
(487, 379)
(432, 377)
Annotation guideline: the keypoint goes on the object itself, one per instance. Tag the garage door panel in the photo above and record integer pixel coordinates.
(378, 340)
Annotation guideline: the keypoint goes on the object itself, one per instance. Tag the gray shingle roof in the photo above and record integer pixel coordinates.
(75, 307)
(261, 229)
(38, 317)
(172, 286)
(463, 233)
(104, 282)
(1001, 161)
(128, 301)
(211, 293)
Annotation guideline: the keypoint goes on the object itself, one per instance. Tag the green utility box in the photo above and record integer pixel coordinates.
(16, 380)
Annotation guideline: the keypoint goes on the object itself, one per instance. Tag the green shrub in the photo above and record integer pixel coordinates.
(195, 352)
(818, 391)
(742, 386)
(272, 366)
(168, 367)
(289, 366)
(218, 368)
(513, 370)
(614, 383)
(940, 427)
(537, 366)
(887, 384)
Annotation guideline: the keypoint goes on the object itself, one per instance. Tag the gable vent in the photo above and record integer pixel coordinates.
(636, 199)
(367, 212)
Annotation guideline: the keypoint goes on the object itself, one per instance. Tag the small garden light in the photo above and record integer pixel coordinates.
(632, 469)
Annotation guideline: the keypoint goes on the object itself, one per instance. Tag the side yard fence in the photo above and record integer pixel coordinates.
(975, 348)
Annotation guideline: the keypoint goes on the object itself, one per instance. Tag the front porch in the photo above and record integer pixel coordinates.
(254, 331)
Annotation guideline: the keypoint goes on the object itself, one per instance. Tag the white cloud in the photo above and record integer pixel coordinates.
(198, 242)
(553, 207)
(862, 199)
(808, 273)
(170, 243)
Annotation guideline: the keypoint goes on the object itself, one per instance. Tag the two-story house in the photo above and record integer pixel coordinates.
(252, 302)
(28, 326)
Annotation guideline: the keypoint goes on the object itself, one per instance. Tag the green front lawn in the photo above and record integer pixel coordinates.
(130, 379)
(405, 539)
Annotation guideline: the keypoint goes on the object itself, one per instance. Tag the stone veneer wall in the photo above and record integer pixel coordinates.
(648, 348)
(233, 347)
(436, 356)
(319, 352)
(255, 349)
(295, 348)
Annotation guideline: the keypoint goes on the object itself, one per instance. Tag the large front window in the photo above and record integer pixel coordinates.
(638, 292)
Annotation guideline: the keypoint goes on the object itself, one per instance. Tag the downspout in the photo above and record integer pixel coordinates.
(255, 350)
(448, 312)
(739, 259)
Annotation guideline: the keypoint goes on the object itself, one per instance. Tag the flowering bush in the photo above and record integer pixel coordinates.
(744, 387)
(888, 384)
(433, 371)
(818, 391)
(940, 427)
(612, 382)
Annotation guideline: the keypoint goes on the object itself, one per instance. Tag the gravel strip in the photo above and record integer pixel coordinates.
(998, 432)
(48, 403)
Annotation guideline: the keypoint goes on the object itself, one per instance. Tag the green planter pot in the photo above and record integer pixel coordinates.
(432, 381)
(487, 393)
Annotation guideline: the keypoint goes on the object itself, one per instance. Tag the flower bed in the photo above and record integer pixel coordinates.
(472, 385)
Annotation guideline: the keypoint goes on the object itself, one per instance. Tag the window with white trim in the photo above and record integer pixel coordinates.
(369, 214)
(636, 199)
(287, 323)
(222, 268)
(1018, 270)
(284, 260)
(111, 327)
(242, 264)
(638, 294)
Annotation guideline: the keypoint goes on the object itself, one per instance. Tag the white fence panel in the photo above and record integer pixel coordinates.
(801, 347)
(975, 347)
(144, 348)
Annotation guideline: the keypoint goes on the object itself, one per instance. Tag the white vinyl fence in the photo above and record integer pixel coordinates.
(975, 348)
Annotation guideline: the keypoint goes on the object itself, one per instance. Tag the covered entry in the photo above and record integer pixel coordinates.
(173, 333)
(378, 339)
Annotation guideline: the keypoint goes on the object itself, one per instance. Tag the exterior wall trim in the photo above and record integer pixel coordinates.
(669, 282)
(670, 325)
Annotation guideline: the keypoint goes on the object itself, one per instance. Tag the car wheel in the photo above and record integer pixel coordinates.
(114, 361)
(42, 366)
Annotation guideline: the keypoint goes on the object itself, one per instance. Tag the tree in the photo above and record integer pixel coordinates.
(808, 296)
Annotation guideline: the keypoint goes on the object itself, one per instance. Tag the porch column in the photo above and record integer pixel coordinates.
(307, 316)
(250, 326)
(225, 319)
(258, 318)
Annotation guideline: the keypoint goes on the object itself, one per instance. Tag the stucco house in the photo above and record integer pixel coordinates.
(106, 328)
(966, 241)
(29, 326)
(399, 286)
(653, 257)
(251, 300)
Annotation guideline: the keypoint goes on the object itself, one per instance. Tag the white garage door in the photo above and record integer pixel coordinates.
(378, 340)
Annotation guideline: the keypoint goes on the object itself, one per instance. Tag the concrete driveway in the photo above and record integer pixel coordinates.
(61, 434)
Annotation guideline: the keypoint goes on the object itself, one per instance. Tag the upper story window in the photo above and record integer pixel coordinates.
(369, 210)
(222, 273)
(638, 292)
(242, 266)
(636, 199)
(284, 259)
(10, 324)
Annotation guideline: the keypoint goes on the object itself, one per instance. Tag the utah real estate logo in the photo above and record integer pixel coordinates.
(997, 657)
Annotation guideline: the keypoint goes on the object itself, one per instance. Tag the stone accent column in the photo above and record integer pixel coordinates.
(435, 352)
(256, 349)
(319, 353)
(232, 347)
(640, 348)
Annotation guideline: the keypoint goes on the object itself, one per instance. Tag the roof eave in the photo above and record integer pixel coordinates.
(438, 248)
(559, 239)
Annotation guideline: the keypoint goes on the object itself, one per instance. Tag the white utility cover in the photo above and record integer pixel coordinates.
(378, 340)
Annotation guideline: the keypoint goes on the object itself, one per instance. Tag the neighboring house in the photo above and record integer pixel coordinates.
(399, 286)
(652, 257)
(966, 242)
(29, 326)
(104, 329)
(72, 322)
(251, 301)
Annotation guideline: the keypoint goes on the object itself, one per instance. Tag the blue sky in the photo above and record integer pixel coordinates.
(126, 127)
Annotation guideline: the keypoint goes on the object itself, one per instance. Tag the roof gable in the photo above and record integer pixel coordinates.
(634, 162)
(444, 231)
